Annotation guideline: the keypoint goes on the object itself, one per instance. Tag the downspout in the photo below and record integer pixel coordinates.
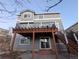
(64, 32)
(75, 37)
(65, 38)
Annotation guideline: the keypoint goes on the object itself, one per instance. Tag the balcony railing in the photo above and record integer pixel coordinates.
(36, 25)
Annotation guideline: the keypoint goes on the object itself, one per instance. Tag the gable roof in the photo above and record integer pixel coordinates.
(72, 26)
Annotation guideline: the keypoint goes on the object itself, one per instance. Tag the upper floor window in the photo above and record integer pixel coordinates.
(27, 16)
(40, 16)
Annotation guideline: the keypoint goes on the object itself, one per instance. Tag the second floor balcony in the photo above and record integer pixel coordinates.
(36, 25)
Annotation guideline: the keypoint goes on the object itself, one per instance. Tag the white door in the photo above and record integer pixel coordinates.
(45, 43)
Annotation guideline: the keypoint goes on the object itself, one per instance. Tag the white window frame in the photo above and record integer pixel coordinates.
(41, 16)
(49, 43)
(24, 43)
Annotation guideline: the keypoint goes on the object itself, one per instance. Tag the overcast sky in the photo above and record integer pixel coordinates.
(67, 8)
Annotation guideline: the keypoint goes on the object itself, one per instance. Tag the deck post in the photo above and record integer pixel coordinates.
(13, 41)
(55, 45)
(33, 41)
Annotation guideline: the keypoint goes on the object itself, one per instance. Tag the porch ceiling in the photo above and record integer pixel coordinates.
(31, 30)
(37, 34)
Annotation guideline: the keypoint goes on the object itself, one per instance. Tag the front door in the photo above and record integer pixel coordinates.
(45, 43)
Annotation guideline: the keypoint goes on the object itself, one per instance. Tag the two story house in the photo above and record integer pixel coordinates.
(35, 33)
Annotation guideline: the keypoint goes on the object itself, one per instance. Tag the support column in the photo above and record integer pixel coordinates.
(13, 41)
(55, 45)
(33, 45)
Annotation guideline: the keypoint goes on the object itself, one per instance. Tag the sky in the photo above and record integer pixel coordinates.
(67, 9)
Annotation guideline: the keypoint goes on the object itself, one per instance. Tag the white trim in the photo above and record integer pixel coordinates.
(47, 19)
(57, 25)
(24, 21)
(66, 38)
(41, 24)
(19, 20)
(75, 37)
(24, 43)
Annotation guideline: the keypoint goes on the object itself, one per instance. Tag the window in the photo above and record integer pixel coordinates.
(40, 16)
(45, 43)
(27, 16)
(36, 24)
(25, 41)
(31, 22)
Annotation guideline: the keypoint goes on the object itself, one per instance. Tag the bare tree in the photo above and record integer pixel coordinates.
(53, 5)
(20, 3)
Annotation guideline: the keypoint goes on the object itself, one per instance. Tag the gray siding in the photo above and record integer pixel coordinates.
(18, 46)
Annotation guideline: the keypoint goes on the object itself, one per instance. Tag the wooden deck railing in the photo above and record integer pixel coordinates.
(73, 48)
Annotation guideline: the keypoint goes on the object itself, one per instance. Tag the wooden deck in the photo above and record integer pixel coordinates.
(33, 31)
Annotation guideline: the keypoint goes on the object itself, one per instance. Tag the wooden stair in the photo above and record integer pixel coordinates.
(73, 47)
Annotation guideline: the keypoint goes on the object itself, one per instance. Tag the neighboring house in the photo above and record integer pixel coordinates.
(72, 37)
(4, 40)
(36, 34)
(72, 32)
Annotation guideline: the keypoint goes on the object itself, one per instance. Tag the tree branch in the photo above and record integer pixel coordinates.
(54, 5)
